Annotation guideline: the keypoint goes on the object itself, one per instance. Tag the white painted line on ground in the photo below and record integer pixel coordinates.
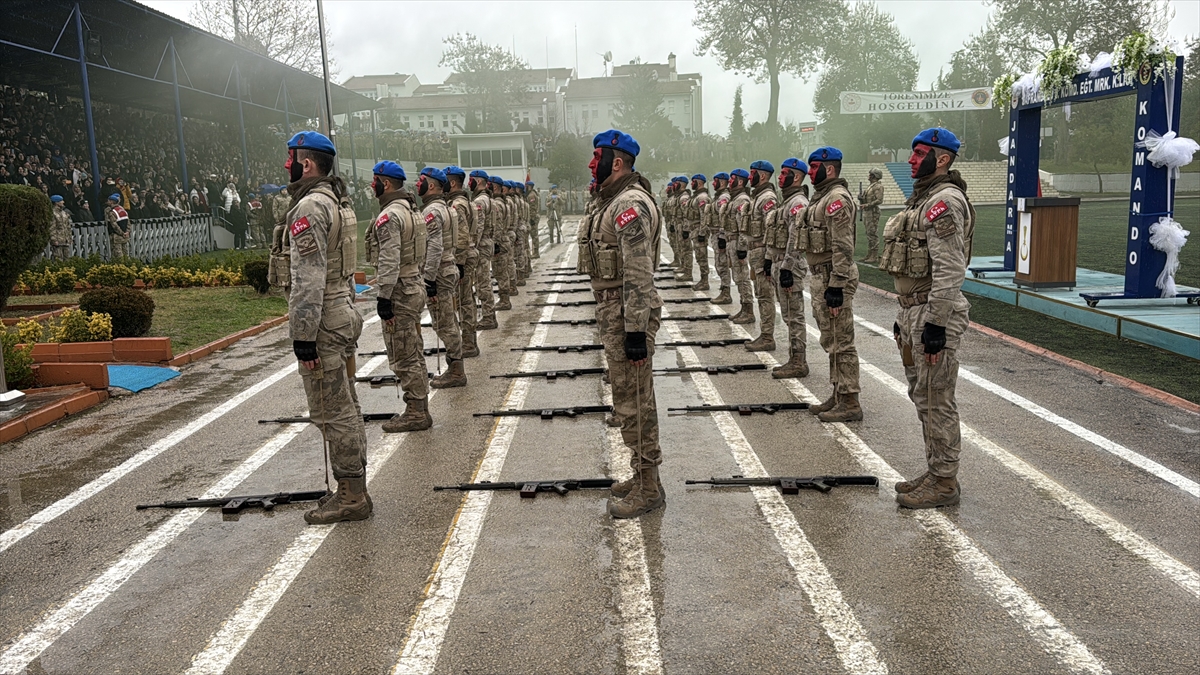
(1137, 459)
(854, 648)
(16, 534)
(30, 644)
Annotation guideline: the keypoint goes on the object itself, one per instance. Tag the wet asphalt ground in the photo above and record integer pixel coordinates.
(1075, 548)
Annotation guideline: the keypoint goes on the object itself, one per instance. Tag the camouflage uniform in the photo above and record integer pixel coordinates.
(535, 215)
(926, 249)
(554, 217)
(669, 204)
(467, 256)
(117, 219)
(683, 235)
(502, 258)
(826, 235)
(718, 234)
(784, 227)
(521, 239)
(60, 233)
(323, 252)
(699, 217)
(872, 198)
(736, 219)
(765, 199)
(439, 268)
(484, 224)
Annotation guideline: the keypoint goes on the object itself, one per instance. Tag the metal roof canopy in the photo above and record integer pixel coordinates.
(39, 49)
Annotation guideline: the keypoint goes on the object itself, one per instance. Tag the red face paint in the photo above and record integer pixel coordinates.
(812, 171)
(918, 156)
(595, 163)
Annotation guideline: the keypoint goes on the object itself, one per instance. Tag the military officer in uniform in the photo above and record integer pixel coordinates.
(534, 198)
(870, 199)
(718, 236)
(683, 231)
(441, 274)
(781, 246)
(764, 200)
(620, 255)
(669, 205)
(827, 237)
(399, 239)
(501, 250)
(466, 257)
(60, 230)
(700, 219)
(323, 323)
(521, 229)
(554, 215)
(483, 229)
(117, 220)
(737, 213)
(926, 248)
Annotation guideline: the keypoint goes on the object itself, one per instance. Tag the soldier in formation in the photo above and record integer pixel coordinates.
(534, 199)
(484, 225)
(465, 258)
(699, 219)
(736, 215)
(60, 229)
(502, 247)
(927, 247)
(116, 218)
(870, 199)
(719, 236)
(764, 199)
(782, 235)
(554, 216)
(683, 230)
(441, 274)
(521, 229)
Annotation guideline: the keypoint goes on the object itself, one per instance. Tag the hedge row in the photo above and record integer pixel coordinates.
(63, 280)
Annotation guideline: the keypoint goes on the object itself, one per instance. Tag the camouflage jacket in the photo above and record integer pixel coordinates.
(873, 197)
(323, 248)
(535, 204)
(60, 231)
(698, 212)
(832, 210)
(719, 210)
(627, 225)
(439, 244)
(765, 199)
(737, 213)
(460, 218)
(399, 238)
(792, 213)
(485, 221)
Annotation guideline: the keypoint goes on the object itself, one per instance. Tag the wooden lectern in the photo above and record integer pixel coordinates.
(1047, 239)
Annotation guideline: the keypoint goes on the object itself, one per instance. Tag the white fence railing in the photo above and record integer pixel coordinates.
(150, 239)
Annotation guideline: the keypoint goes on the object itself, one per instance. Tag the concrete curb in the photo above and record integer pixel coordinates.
(217, 345)
(14, 429)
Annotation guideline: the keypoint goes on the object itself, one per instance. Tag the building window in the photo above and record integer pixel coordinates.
(541, 120)
(671, 107)
(445, 121)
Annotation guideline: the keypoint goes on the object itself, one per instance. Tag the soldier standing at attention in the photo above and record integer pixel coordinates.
(738, 210)
(620, 254)
(791, 264)
(927, 247)
(683, 230)
(60, 231)
(483, 225)
(501, 252)
(827, 235)
(535, 214)
(441, 274)
(521, 230)
(554, 215)
(465, 257)
(322, 321)
(765, 199)
(399, 238)
(510, 236)
(117, 220)
(717, 234)
(870, 199)
(668, 213)
(701, 219)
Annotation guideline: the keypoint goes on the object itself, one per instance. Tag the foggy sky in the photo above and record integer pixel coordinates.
(376, 37)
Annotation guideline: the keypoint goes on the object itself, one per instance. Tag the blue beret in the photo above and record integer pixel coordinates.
(529, 182)
(793, 163)
(496, 179)
(389, 169)
(434, 173)
(479, 173)
(618, 140)
(740, 173)
(453, 170)
(554, 186)
(311, 140)
(721, 176)
(825, 154)
(114, 197)
(938, 137)
(56, 198)
(763, 165)
(700, 177)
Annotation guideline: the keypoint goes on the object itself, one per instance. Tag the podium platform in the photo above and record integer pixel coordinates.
(1172, 324)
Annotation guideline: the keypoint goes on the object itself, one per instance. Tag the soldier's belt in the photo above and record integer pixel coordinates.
(823, 268)
(912, 300)
(607, 294)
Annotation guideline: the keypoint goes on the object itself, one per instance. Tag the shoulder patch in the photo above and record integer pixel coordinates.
(626, 217)
(722, 201)
(382, 220)
(429, 217)
(300, 225)
(769, 205)
(741, 207)
(796, 209)
(834, 207)
(121, 213)
(936, 211)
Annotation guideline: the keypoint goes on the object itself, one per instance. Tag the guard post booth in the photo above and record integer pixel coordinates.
(1047, 242)
(504, 154)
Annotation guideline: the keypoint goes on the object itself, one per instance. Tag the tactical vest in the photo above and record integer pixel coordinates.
(763, 206)
(462, 224)
(906, 238)
(600, 255)
(777, 223)
(481, 210)
(341, 252)
(412, 240)
(813, 235)
(740, 218)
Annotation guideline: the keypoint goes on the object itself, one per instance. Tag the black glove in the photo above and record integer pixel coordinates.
(671, 229)
(766, 267)
(635, 346)
(934, 338)
(495, 249)
(384, 307)
(742, 255)
(833, 297)
(305, 350)
(721, 244)
(701, 240)
(462, 271)
(684, 234)
(786, 280)
(896, 329)
(430, 289)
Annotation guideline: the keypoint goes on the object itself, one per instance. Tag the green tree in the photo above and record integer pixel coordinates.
(283, 30)
(1101, 137)
(978, 64)
(25, 219)
(737, 125)
(568, 162)
(764, 38)
(640, 114)
(1189, 119)
(489, 77)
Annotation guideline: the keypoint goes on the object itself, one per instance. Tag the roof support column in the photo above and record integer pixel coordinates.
(350, 130)
(179, 119)
(242, 125)
(287, 111)
(96, 204)
(374, 143)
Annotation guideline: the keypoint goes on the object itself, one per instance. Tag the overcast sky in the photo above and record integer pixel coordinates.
(374, 37)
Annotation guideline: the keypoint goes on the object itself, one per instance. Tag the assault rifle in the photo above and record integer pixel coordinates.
(744, 409)
(552, 375)
(547, 291)
(550, 413)
(230, 505)
(705, 344)
(671, 287)
(559, 269)
(377, 381)
(680, 301)
(564, 322)
(367, 417)
(791, 485)
(561, 349)
(714, 370)
(702, 317)
(429, 351)
(570, 303)
(530, 488)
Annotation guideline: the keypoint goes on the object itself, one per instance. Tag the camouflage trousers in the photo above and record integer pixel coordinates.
(535, 246)
(521, 254)
(871, 224)
(402, 338)
(502, 266)
(837, 332)
(764, 291)
(332, 400)
(444, 313)
(468, 313)
(683, 251)
(119, 246)
(510, 261)
(741, 274)
(721, 260)
(791, 305)
(700, 248)
(627, 380)
(483, 281)
(932, 387)
(673, 242)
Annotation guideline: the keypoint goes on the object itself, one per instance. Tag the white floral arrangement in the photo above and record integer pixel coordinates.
(1059, 67)
(1139, 48)
(1002, 90)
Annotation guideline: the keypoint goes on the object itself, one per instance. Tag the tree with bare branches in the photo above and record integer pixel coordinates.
(283, 30)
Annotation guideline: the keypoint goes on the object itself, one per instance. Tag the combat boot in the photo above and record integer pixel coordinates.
(701, 285)
(455, 376)
(504, 303)
(846, 410)
(723, 298)
(521, 282)
(744, 316)
(350, 502)
(645, 496)
(613, 420)
(765, 342)
(684, 275)
(622, 488)
(470, 347)
(415, 418)
(827, 405)
(872, 258)
(488, 323)
(797, 366)
(906, 486)
(935, 491)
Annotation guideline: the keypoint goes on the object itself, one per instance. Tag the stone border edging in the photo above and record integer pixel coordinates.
(217, 345)
(34, 420)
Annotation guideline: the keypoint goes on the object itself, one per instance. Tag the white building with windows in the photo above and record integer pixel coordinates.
(504, 154)
(589, 105)
(380, 87)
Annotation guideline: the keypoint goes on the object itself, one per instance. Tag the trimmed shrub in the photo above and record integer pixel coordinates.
(131, 311)
(18, 363)
(24, 231)
(255, 274)
(111, 276)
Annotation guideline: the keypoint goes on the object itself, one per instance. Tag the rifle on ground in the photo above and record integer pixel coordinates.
(530, 488)
(671, 287)
(560, 269)
(547, 291)
(429, 351)
(377, 381)
(791, 485)
(570, 303)
(550, 413)
(553, 374)
(232, 505)
(681, 301)
(565, 282)
(744, 409)
(705, 344)
(714, 370)
(702, 317)
(561, 349)
(564, 322)
(367, 417)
